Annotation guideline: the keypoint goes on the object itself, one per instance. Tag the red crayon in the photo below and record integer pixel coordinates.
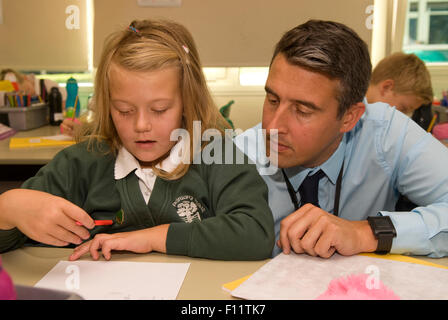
(99, 222)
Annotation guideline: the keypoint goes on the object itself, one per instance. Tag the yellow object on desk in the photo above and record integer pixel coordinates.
(230, 286)
(48, 141)
(403, 258)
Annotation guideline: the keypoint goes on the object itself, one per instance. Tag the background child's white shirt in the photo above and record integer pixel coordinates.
(126, 163)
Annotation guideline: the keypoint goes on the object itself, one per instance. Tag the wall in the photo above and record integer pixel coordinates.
(232, 32)
(228, 33)
(247, 109)
(33, 36)
(439, 78)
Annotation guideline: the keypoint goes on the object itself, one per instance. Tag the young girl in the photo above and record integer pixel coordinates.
(149, 82)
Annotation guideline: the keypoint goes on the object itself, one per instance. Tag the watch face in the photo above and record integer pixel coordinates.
(382, 224)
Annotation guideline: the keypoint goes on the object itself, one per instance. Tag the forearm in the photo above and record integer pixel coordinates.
(422, 178)
(10, 237)
(6, 214)
(367, 240)
(421, 231)
(230, 237)
(157, 237)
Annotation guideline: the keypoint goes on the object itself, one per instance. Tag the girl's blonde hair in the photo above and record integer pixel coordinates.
(148, 45)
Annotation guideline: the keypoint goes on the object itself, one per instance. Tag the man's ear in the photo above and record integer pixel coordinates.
(386, 86)
(352, 116)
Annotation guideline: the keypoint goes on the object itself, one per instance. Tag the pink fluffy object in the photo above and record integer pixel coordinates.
(356, 287)
(7, 291)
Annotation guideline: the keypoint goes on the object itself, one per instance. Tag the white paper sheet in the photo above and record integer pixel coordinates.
(59, 137)
(116, 280)
(297, 277)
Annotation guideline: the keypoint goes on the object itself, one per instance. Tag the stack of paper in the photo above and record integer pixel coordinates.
(305, 277)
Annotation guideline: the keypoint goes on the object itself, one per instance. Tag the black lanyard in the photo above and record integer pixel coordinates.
(295, 201)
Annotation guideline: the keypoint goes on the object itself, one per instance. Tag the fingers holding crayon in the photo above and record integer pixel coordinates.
(69, 125)
(46, 218)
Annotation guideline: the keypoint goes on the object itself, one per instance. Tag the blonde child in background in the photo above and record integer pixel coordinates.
(402, 81)
(149, 82)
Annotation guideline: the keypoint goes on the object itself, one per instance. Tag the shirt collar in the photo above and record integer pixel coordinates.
(331, 167)
(127, 163)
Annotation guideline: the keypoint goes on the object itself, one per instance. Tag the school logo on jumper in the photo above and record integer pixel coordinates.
(188, 208)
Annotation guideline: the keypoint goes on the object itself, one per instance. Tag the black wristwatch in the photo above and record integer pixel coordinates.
(384, 232)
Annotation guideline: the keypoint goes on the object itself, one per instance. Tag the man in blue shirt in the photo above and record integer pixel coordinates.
(369, 154)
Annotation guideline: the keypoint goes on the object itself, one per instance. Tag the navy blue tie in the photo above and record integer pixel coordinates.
(309, 189)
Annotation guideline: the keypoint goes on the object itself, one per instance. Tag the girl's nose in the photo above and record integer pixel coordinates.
(143, 121)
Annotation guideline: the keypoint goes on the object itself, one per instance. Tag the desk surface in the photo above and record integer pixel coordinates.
(203, 281)
(29, 155)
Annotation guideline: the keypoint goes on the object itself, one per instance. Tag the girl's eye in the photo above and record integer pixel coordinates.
(122, 109)
(124, 112)
(159, 112)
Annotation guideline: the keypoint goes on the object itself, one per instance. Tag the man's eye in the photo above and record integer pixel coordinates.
(302, 113)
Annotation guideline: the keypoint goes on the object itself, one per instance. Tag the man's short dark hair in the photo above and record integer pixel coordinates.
(334, 50)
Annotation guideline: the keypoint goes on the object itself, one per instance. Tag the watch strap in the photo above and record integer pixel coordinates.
(384, 231)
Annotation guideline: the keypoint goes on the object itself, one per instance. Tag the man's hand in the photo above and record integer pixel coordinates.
(319, 233)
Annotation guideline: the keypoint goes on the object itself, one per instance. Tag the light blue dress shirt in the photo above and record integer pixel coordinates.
(386, 154)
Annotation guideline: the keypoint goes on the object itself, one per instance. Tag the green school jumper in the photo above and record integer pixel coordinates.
(216, 211)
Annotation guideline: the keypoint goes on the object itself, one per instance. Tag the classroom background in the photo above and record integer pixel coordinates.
(59, 40)
(59, 43)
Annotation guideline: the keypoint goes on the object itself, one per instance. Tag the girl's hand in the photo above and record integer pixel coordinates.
(140, 241)
(68, 126)
(44, 217)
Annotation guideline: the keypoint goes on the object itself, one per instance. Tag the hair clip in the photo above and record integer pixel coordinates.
(186, 49)
(132, 28)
